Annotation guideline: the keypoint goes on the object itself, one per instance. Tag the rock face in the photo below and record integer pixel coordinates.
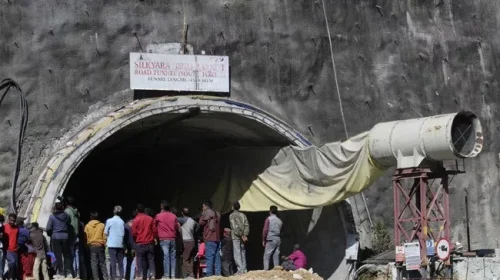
(394, 60)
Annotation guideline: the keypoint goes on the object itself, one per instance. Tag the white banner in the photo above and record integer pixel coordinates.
(412, 256)
(181, 72)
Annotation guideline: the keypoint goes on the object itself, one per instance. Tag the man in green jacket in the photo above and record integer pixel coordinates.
(73, 237)
(240, 228)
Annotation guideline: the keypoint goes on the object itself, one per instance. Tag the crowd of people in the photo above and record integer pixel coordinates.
(118, 249)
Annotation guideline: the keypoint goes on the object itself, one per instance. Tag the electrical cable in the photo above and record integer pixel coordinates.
(334, 70)
(340, 100)
(7, 84)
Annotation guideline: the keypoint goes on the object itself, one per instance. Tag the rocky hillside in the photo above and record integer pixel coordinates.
(394, 60)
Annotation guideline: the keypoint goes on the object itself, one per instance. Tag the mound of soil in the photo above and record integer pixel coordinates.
(275, 274)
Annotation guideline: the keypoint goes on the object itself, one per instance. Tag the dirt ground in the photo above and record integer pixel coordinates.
(276, 274)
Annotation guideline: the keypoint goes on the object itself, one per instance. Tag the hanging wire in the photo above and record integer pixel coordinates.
(7, 84)
(340, 101)
(335, 70)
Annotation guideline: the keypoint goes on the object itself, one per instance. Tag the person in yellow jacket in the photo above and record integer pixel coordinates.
(96, 240)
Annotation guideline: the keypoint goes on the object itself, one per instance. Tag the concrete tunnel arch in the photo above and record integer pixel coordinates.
(59, 169)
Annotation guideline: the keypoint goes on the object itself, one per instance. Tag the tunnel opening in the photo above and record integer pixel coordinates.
(183, 158)
(185, 149)
(174, 157)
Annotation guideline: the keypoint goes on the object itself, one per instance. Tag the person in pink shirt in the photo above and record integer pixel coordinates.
(201, 250)
(296, 260)
(167, 228)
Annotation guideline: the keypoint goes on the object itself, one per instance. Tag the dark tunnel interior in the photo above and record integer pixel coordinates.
(158, 159)
(161, 157)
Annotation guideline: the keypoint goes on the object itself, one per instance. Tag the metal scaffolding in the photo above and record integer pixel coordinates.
(421, 206)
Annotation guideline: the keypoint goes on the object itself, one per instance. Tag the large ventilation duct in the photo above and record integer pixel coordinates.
(411, 143)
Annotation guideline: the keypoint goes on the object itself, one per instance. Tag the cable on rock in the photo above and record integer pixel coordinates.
(7, 84)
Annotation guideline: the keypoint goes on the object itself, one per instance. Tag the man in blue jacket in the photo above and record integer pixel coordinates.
(115, 232)
(58, 228)
(26, 262)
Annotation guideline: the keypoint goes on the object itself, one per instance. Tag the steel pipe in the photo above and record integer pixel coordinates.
(410, 143)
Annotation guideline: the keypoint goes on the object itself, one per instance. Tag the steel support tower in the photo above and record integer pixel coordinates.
(421, 206)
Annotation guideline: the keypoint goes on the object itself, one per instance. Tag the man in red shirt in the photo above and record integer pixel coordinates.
(168, 229)
(143, 230)
(11, 234)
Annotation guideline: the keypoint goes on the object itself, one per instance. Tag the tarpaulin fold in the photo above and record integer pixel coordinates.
(289, 177)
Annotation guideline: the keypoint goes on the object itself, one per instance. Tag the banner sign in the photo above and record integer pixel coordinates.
(412, 256)
(179, 72)
(400, 254)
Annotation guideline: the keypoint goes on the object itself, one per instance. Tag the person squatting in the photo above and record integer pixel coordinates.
(118, 249)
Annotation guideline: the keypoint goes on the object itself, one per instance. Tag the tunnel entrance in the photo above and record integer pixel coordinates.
(184, 150)
(183, 158)
(183, 155)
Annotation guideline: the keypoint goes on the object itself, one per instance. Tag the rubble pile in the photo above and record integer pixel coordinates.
(276, 274)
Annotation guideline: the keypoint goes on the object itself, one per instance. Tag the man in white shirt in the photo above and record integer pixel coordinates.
(189, 227)
(115, 233)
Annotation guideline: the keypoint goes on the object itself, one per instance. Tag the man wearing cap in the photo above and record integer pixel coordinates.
(115, 231)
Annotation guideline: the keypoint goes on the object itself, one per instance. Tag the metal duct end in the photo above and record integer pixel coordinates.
(409, 143)
(466, 135)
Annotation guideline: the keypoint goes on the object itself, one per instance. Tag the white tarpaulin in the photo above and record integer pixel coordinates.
(290, 178)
